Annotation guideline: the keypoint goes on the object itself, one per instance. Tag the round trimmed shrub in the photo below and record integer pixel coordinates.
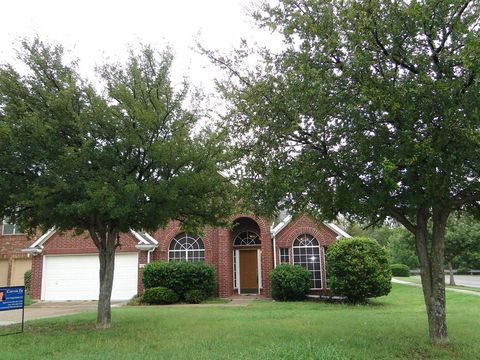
(180, 276)
(290, 282)
(195, 296)
(159, 296)
(358, 269)
(400, 270)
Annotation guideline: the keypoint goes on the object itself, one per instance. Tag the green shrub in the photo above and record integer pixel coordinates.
(159, 296)
(180, 276)
(290, 282)
(400, 270)
(358, 269)
(195, 296)
(27, 278)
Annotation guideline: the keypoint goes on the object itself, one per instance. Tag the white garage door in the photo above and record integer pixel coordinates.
(76, 277)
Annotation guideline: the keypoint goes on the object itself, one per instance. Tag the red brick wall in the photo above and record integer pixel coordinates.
(219, 251)
(11, 248)
(306, 225)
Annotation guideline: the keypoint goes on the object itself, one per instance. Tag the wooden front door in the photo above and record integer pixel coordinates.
(248, 272)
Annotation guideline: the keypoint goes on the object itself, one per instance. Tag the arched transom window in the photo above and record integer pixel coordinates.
(306, 252)
(186, 247)
(246, 238)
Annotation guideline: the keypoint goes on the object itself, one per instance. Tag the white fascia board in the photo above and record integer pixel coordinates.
(145, 247)
(32, 251)
(338, 230)
(139, 237)
(38, 243)
(280, 226)
(151, 238)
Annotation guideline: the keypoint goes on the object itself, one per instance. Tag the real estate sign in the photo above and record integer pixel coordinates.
(12, 298)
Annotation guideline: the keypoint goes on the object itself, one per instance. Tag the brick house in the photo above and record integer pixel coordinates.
(65, 266)
(13, 262)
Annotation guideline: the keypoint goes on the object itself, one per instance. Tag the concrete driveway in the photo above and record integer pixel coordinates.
(48, 309)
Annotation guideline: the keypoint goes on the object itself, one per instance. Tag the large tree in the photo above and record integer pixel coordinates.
(129, 157)
(370, 110)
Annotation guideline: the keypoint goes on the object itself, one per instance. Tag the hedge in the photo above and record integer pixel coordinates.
(159, 296)
(180, 276)
(195, 296)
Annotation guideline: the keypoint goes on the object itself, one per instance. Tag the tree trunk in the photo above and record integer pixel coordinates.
(106, 242)
(107, 266)
(450, 269)
(431, 260)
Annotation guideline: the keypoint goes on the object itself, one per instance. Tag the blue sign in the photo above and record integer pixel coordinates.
(12, 298)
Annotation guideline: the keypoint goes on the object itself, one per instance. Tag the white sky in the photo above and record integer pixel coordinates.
(103, 29)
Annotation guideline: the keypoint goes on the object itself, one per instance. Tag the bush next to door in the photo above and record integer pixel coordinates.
(290, 282)
(400, 270)
(180, 276)
(358, 269)
(159, 296)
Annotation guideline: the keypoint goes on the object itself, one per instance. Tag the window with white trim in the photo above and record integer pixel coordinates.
(186, 247)
(306, 253)
(247, 238)
(284, 256)
(11, 229)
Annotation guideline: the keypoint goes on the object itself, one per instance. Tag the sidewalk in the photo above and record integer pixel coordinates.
(403, 282)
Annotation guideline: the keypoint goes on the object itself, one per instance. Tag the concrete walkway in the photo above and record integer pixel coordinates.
(470, 292)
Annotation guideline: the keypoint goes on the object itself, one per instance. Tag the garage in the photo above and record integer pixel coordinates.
(76, 277)
(20, 266)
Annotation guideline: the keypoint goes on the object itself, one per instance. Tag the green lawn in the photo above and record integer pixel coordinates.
(393, 327)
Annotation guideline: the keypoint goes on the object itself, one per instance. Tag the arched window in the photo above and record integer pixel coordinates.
(185, 247)
(306, 252)
(246, 238)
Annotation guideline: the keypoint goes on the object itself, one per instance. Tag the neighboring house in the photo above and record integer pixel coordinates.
(13, 262)
(65, 266)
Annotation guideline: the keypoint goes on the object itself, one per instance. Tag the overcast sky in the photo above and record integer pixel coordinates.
(102, 29)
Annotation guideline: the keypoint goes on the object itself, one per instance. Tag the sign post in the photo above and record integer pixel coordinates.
(13, 298)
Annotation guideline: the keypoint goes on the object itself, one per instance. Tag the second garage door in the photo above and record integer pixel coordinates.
(76, 277)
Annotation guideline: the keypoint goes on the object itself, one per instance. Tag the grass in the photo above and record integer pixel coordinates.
(216, 300)
(417, 280)
(392, 327)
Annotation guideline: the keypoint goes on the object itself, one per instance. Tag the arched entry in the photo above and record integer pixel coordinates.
(247, 269)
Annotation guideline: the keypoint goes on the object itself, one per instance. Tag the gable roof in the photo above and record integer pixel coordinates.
(37, 246)
(286, 219)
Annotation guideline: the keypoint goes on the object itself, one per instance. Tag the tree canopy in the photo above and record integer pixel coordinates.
(370, 110)
(132, 156)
